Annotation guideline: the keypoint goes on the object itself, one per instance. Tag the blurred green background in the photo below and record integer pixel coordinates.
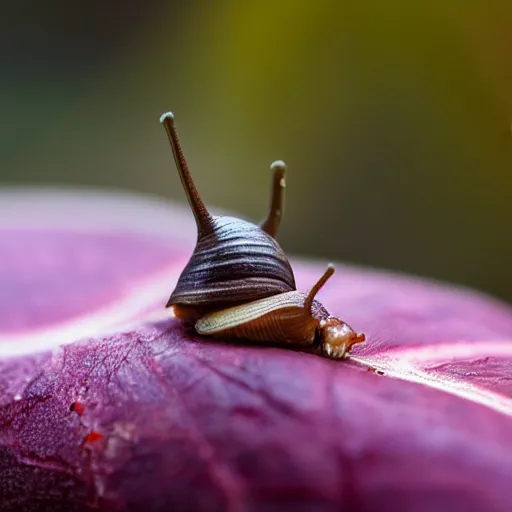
(394, 117)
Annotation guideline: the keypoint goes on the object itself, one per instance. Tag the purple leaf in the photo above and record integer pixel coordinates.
(107, 403)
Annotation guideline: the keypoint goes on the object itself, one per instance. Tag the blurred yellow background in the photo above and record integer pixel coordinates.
(394, 118)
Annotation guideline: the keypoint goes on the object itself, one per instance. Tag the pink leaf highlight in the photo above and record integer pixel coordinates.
(83, 264)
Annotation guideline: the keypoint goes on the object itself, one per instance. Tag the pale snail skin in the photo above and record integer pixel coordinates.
(238, 284)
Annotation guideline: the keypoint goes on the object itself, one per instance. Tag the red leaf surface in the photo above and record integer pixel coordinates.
(106, 403)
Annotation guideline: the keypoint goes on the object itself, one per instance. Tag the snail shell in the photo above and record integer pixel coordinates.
(233, 263)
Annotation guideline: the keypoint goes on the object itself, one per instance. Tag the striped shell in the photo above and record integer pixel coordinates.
(235, 262)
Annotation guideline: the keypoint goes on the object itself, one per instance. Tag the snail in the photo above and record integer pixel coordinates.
(238, 283)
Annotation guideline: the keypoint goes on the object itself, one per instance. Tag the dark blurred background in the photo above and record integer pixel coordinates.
(394, 117)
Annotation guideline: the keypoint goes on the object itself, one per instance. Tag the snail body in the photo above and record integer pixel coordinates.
(238, 282)
(293, 318)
